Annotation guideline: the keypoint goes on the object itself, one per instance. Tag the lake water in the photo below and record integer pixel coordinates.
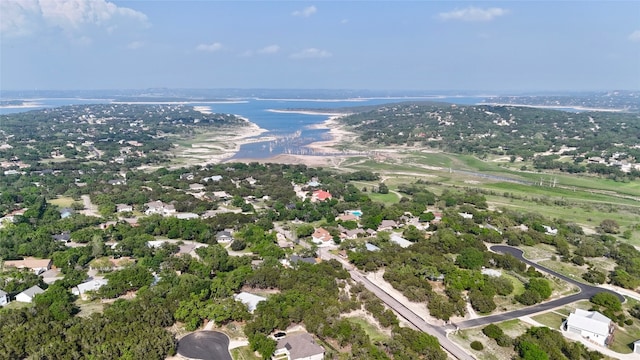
(292, 131)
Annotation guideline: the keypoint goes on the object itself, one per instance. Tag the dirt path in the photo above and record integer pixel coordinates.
(90, 209)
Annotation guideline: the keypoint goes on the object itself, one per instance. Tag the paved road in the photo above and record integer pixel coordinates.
(205, 345)
(411, 317)
(586, 292)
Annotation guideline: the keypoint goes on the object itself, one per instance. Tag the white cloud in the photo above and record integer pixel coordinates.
(306, 12)
(73, 17)
(135, 45)
(472, 13)
(209, 47)
(271, 49)
(311, 53)
(635, 36)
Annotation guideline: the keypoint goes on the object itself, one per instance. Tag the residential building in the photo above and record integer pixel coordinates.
(214, 178)
(186, 215)
(37, 265)
(322, 237)
(158, 207)
(636, 347)
(64, 237)
(591, 325)
(371, 247)
(397, 239)
(224, 236)
(124, 208)
(387, 225)
(347, 217)
(549, 230)
(28, 295)
(299, 347)
(321, 195)
(91, 285)
(4, 298)
(251, 300)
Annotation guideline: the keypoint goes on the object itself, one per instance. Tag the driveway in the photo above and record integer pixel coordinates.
(586, 292)
(205, 345)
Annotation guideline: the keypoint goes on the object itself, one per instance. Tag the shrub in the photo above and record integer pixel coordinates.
(492, 331)
(628, 322)
(238, 245)
(607, 300)
(504, 341)
(477, 345)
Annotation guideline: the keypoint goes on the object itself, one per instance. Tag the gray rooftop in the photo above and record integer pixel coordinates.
(33, 291)
(300, 346)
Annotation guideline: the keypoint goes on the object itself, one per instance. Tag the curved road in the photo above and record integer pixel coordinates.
(440, 332)
(205, 345)
(586, 292)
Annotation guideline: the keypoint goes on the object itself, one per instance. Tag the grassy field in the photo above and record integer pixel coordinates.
(244, 353)
(550, 319)
(372, 331)
(518, 286)
(389, 198)
(62, 201)
(573, 271)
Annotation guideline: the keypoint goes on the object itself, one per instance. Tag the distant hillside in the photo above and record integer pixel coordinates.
(601, 142)
(121, 133)
(628, 101)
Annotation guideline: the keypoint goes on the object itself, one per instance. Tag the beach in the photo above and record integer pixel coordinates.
(330, 155)
(217, 147)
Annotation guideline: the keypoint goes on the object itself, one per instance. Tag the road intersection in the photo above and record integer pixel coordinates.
(441, 332)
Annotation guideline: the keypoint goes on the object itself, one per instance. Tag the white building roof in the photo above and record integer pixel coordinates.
(592, 321)
(91, 285)
(395, 238)
(371, 247)
(251, 300)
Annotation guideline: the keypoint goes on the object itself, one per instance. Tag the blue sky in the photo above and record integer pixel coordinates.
(413, 45)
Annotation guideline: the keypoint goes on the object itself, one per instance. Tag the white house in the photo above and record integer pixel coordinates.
(397, 239)
(28, 295)
(124, 208)
(549, 230)
(636, 347)
(158, 207)
(4, 298)
(249, 299)
(299, 347)
(186, 215)
(91, 285)
(322, 237)
(591, 325)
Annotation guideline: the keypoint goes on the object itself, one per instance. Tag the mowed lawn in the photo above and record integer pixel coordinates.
(62, 201)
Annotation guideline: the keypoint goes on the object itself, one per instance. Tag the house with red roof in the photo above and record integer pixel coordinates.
(321, 195)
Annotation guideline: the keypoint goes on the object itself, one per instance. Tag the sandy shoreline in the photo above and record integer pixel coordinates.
(328, 155)
(221, 148)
